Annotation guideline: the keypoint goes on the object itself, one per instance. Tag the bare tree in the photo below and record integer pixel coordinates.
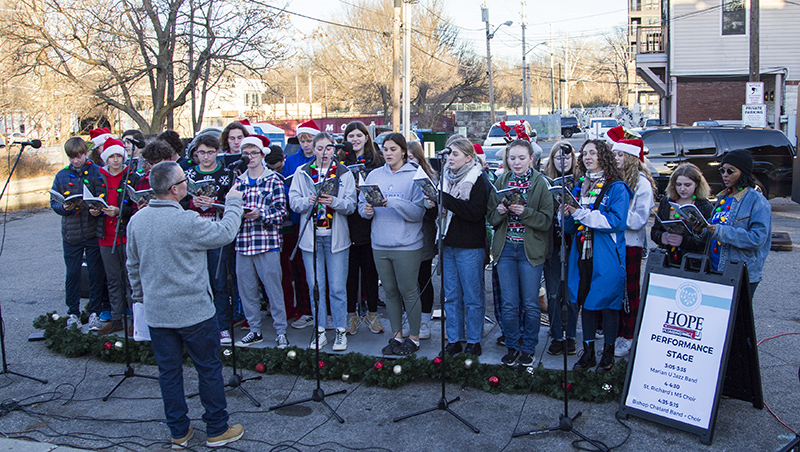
(134, 55)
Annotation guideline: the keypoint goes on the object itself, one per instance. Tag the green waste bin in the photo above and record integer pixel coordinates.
(437, 138)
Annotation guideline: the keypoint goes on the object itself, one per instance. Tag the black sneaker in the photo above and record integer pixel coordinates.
(511, 357)
(571, 349)
(406, 348)
(453, 348)
(473, 349)
(389, 349)
(501, 341)
(526, 360)
(556, 348)
(250, 339)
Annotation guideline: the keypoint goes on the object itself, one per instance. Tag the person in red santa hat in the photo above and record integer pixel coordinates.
(629, 154)
(98, 137)
(111, 187)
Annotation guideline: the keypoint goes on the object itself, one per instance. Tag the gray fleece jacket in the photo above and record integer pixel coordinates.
(398, 226)
(167, 263)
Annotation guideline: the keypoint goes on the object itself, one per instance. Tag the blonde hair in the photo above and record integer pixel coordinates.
(701, 190)
(465, 146)
(550, 169)
(631, 168)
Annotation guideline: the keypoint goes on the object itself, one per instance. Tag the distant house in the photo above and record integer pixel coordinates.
(697, 59)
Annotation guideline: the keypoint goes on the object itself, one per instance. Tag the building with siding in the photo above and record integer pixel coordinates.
(697, 59)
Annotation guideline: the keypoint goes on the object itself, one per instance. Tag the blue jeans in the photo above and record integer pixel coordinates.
(555, 295)
(73, 257)
(219, 284)
(335, 266)
(202, 343)
(520, 287)
(464, 301)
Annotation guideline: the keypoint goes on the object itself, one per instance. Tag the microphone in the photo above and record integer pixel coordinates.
(135, 142)
(445, 151)
(243, 162)
(347, 146)
(36, 144)
(566, 149)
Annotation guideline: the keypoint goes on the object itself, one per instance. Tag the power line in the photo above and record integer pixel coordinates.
(336, 24)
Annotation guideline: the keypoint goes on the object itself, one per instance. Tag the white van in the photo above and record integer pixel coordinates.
(496, 136)
(599, 126)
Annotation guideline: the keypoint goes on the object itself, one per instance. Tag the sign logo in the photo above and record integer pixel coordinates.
(688, 297)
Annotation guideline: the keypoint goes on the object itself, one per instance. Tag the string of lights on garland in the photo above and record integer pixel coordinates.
(463, 369)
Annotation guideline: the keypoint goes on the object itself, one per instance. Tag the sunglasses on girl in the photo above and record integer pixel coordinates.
(728, 171)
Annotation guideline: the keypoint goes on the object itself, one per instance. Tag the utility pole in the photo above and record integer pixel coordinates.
(524, 68)
(406, 69)
(485, 18)
(310, 98)
(396, 66)
(755, 69)
(565, 107)
(552, 94)
(297, 95)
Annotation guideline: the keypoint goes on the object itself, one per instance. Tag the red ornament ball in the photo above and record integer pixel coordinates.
(379, 365)
(107, 346)
(322, 364)
(494, 381)
(261, 368)
(437, 361)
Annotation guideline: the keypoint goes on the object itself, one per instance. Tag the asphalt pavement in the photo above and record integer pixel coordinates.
(68, 410)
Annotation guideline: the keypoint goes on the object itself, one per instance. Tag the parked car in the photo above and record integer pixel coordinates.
(773, 154)
(652, 122)
(496, 136)
(599, 126)
(569, 126)
(709, 123)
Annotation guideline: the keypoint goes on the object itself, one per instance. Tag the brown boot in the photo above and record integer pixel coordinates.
(110, 327)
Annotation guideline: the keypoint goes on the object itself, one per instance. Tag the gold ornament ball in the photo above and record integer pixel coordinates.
(55, 316)
(291, 354)
(468, 363)
(226, 352)
(397, 369)
(118, 345)
(345, 377)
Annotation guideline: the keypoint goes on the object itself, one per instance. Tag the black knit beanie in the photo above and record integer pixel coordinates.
(740, 159)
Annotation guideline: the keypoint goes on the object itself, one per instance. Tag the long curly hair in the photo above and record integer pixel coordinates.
(632, 167)
(604, 157)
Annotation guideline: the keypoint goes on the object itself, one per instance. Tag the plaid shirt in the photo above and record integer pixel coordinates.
(268, 195)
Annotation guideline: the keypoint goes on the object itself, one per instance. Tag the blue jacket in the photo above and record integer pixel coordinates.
(78, 225)
(608, 222)
(747, 235)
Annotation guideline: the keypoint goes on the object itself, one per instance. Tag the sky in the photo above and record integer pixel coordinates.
(577, 18)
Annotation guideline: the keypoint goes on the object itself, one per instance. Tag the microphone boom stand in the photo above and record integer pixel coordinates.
(318, 394)
(444, 404)
(129, 372)
(565, 422)
(2, 330)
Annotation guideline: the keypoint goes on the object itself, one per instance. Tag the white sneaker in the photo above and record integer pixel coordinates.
(304, 321)
(282, 341)
(225, 337)
(74, 320)
(94, 322)
(320, 341)
(424, 331)
(340, 343)
(622, 347)
(329, 323)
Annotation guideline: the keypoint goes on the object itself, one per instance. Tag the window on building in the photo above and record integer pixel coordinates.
(652, 4)
(734, 17)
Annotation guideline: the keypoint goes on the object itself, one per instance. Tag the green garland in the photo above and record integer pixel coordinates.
(354, 367)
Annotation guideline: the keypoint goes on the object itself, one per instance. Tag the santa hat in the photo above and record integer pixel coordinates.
(634, 147)
(99, 136)
(259, 141)
(310, 127)
(616, 134)
(246, 123)
(113, 146)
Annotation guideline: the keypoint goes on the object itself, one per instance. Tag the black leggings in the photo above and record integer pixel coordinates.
(588, 317)
(425, 286)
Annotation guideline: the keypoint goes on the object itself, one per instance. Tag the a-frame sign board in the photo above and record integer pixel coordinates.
(695, 341)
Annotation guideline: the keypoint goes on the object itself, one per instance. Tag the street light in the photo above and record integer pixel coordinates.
(525, 79)
(489, 36)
